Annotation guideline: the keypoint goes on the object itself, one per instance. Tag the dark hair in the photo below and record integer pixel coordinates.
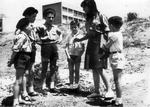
(92, 8)
(29, 11)
(75, 22)
(22, 23)
(116, 21)
(47, 11)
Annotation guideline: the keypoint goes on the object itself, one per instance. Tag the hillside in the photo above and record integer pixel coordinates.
(134, 84)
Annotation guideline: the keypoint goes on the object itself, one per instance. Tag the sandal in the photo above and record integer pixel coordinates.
(33, 94)
(25, 102)
(94, 95)
(26, 98)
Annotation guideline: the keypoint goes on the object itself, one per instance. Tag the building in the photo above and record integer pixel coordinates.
(11, 11)
(65, 13)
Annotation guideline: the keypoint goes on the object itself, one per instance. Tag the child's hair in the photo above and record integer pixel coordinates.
(47, 11)
(22, 23)
(116, 21)
(75, 22)
(91, 4)
(29, 11)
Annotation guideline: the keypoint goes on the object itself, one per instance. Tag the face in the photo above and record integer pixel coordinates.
(50, 18)
(74, 28)
(32, 17)
(27, 29)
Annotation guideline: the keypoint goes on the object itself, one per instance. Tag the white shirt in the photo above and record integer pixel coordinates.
(22, 43)
(117, 39)
(77, 47)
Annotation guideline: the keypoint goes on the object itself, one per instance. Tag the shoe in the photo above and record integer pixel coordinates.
(109, 94)
(26, 98)
(119, 102)
(94, 95)
(75, 86)
(54, 90)
(32, 94)
(44, 92)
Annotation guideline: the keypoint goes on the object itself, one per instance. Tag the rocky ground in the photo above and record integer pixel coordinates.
(135, 80)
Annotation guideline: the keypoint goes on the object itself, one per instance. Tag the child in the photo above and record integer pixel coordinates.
(50, 35)
(21, 57)
(115, 46)
(74, 52)
(30, 13)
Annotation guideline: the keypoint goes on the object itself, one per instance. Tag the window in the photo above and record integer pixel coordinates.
(65, 9)
(70, 10)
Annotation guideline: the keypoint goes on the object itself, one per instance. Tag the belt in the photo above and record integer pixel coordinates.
(115, 52)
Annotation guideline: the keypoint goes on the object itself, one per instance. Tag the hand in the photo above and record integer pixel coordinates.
(69, 60)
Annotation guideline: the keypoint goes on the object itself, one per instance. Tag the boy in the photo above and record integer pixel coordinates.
(30, 13)
(21, 57)
(50, 35)
(74, 52)
(116, 58)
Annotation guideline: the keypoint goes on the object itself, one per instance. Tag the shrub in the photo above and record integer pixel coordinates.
(131, 16)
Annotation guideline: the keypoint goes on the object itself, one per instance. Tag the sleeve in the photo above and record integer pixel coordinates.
(19, 40)
(113, 38)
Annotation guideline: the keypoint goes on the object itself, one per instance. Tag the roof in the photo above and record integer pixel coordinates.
(69, 5)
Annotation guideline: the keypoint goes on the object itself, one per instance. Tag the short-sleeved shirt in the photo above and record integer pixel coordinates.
(77, 47)
(22, 43)
(53, 34)
(117, 39)
(117, 60)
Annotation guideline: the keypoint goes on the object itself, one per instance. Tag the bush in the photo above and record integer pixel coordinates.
(131, 16)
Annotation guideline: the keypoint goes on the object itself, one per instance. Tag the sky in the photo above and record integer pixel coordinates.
(108, 7)
(13, 9)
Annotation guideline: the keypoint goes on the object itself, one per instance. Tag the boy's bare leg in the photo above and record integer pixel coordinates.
(43, 74)
(117, 80)
(24, 85)
(17, 86)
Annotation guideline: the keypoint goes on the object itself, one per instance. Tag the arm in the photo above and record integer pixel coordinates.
(67, 53)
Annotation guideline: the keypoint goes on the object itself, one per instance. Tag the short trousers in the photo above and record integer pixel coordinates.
(75, 59)
(23, 61)
(49, 53)
(117, 60)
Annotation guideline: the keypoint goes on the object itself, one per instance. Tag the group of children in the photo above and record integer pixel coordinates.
(48, 36)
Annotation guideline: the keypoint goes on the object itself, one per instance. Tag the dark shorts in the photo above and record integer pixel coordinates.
(49, 52)
(22, 61)
(75, 59)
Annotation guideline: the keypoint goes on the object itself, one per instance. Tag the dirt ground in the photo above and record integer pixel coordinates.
(135, 81)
